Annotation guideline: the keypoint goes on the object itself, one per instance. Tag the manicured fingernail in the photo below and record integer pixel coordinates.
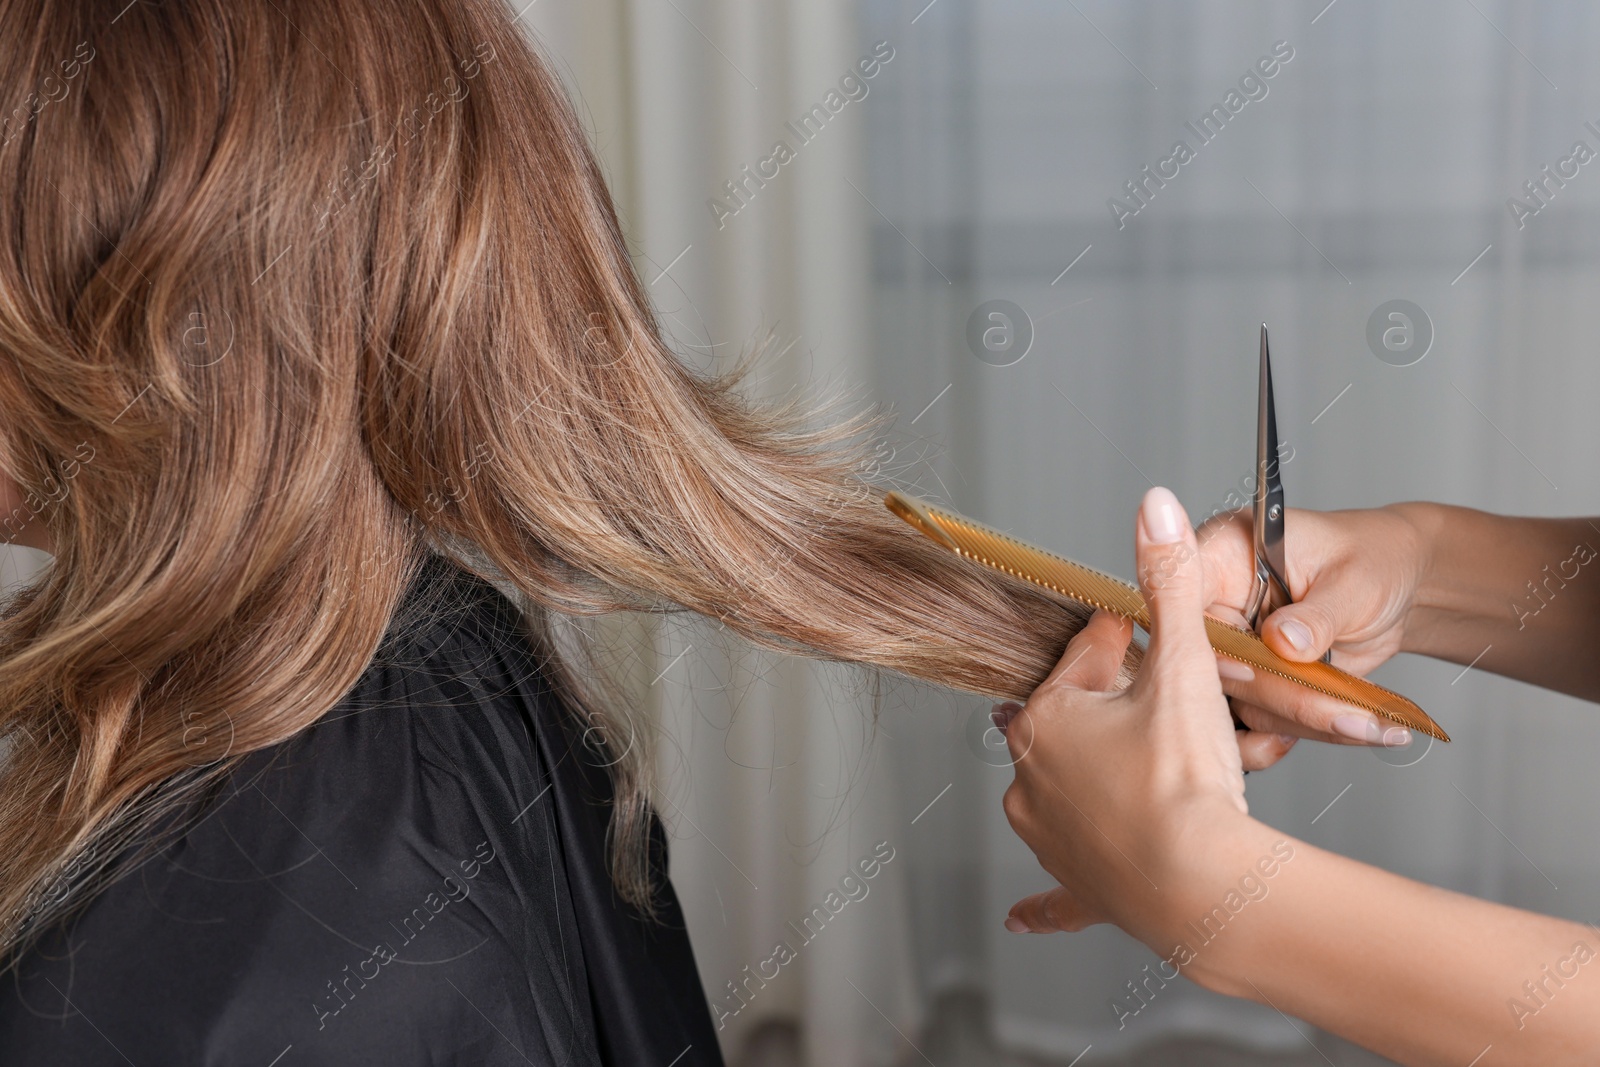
(1234, 670)
(1002, 714)
(1286, 740)
(1359, 728)
(1296, 633)
(1016, 925)
(1161, 513)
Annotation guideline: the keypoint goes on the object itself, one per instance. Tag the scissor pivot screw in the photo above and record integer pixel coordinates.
(1275, 511)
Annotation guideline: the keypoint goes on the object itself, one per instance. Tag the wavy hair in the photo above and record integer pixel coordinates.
(294, 292)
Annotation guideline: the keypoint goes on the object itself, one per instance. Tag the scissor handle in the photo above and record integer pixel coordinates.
(1266, 596)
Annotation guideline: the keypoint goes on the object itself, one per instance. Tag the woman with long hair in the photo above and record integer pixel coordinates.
(329, 386)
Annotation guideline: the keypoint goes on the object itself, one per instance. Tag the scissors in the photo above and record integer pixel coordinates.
(1270, 588)
(1000, 551)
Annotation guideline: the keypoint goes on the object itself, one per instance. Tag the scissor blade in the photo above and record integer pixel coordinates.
(1268, 510)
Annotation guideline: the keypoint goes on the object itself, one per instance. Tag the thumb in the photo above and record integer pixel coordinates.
(1055, 911)
(1304, 630)
(1173, 581)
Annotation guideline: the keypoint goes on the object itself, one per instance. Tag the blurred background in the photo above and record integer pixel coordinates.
(983, 169)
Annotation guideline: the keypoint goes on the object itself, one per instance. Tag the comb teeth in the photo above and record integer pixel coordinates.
(1086, 585)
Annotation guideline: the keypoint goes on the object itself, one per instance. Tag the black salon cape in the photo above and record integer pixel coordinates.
(418, 879)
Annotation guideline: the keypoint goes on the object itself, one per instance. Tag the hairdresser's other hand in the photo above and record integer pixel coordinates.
(1118, 791)
(1354, 578)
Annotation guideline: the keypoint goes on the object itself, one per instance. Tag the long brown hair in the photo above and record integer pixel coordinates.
(293, 292)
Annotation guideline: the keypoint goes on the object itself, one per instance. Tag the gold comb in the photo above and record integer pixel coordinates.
(1088, 586)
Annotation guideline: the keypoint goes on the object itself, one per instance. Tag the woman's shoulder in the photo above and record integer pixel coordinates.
(444, 736)
(454, 692)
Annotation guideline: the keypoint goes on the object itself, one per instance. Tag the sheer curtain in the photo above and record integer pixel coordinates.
(773, 786)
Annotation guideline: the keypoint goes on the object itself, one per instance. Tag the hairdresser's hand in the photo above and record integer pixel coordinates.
(1354, 578)
(1119, 792)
